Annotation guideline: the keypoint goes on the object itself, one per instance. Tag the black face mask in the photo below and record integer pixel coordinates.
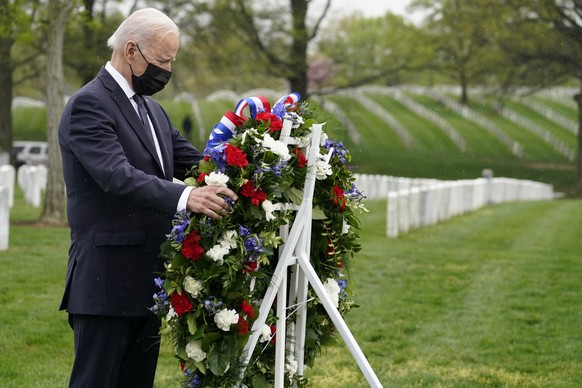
(152, 80)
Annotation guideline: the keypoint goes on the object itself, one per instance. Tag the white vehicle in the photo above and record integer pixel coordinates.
(30, 152)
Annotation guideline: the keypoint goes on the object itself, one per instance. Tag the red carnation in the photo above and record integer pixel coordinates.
(301, 160)
(256, 195)
(263, 116)
(201, 177)
(275, 123)
(181, 303)
(339, 198)
(242, 325)
(235, 157)
(250, 266)
(248, 309)
(191, 248)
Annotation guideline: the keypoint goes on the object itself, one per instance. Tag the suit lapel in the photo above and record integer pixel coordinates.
(127, 109)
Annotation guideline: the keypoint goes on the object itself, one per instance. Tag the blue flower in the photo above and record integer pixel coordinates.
(178, 231)
(212, 305)
(354, 194)
(277, 168)
(180, 224)
(161, 302)
(242, 231)
(193, 379)
(254, 244)
(218, 156)
(279, 111)
(230, 202)
(339, 150)
(343, 284)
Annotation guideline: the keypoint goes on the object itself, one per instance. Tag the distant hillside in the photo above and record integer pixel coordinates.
(414, 132)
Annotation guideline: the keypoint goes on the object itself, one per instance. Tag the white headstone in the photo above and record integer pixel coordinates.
(414, 208)
(7, 179)
(32, 180)
(403, 211)
(392, 215)
(4, 218)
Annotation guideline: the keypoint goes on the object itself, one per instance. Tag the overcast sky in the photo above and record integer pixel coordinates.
(370, 7)
(341, 8)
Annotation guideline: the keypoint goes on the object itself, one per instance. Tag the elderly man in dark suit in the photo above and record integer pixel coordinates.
(120, 153)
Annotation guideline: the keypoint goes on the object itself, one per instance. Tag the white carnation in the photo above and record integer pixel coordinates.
(277, 147)
(333, 290)
(194, 351)
(216, 178)
(265, 333)
(225, 318)
(217, 253)
(345, 227)
(171, 314)
(229, 239)
(323, 138)
(323, 170)
(268, 207)
(193, 286)
(291, 366)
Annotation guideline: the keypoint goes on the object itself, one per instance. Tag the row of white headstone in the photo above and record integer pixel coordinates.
(32, 181)
(415, 203)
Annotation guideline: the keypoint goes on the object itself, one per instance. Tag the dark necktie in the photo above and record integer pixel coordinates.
(143, 114)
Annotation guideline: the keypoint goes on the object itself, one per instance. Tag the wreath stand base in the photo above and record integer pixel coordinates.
(294, 261)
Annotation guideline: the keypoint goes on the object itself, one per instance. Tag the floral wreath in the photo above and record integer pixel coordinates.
(218, 271)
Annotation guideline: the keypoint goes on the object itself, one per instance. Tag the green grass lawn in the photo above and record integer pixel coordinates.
(487, 299)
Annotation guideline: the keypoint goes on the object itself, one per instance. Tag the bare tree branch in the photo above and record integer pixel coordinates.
(320, 20)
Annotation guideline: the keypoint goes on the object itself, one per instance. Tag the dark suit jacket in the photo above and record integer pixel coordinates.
(119, 201)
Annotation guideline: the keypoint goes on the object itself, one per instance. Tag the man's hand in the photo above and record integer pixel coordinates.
(210, 201)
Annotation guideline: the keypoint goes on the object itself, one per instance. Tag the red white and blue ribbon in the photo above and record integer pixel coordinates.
(289, 99)
(226, 127)
(255, 104)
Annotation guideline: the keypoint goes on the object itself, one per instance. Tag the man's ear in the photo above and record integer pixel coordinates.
(130, 51)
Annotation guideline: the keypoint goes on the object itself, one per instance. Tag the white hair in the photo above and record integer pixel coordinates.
(142, 27)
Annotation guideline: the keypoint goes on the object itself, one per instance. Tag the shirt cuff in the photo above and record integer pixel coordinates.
(183, 201)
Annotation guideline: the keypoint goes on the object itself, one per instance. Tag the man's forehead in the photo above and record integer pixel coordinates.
(165, 37)
(165, 43)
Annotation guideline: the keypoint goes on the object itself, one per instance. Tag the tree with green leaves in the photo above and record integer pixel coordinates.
(385, 50)
(556, 50)
(463, 34)
(86, 39)
(16, 18)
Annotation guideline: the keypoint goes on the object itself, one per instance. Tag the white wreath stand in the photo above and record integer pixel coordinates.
(294, 259)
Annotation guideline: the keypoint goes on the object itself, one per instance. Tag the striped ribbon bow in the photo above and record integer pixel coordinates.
(226, 127)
